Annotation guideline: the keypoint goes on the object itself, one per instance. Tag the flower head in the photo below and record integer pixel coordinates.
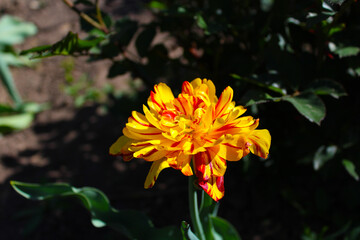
(195, 127)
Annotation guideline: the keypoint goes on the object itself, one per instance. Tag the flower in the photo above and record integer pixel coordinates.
(195, 127)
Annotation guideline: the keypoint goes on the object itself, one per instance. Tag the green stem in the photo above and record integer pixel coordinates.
(194, 209)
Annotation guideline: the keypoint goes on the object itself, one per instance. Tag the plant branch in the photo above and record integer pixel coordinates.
(86, 17)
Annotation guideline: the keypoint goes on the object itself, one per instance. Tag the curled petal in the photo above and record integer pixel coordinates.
(121, 147)
(214, 187)
(260, 141)
(155, 169)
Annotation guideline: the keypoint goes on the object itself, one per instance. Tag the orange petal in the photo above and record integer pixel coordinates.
(155, 169)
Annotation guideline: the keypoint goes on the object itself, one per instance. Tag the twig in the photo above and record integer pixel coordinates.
(86, 17)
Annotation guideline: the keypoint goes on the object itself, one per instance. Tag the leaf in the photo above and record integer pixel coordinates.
(14, 31)
(223, 229)
(69, 45)
(323, 154)
(186, 232)
(8, 81)
(144, 40)
(17, 121)
(132, 224)
(328, 87)
(350, 168)
(200, 21)
(266, 5)
(309, 105)
(157, 5)
(347, 51)
(17, 61)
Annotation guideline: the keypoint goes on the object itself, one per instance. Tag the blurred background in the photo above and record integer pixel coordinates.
(294, 64)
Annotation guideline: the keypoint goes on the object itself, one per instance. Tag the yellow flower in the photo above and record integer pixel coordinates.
(194, 126)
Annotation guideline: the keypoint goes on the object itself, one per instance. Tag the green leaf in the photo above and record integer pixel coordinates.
(328, 87)
(17, 61)
(266, 5)
(132, 224)
(157, 5)
(200, 21)
(70, 45)
(350, 168)
(144, 40)
(8, 81)
(14, 31)
(347, 51)
(223, 230)
(309, 105)
(322, 155)
(17, 121)
(186, 232)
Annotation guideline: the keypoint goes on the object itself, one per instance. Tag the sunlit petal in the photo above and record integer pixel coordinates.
(121, 146)
(155, 169)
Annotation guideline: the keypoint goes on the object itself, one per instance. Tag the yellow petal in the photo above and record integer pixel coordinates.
(181, 162)
(196, 83)
(209, 164)
(260, 142)
(155, 169)
(137, 135)
(212, 90)
(224, 102)
(151, 118)
(187, 88)
(121, 146)
(235, 113)
(162, 98)
(231, 151)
